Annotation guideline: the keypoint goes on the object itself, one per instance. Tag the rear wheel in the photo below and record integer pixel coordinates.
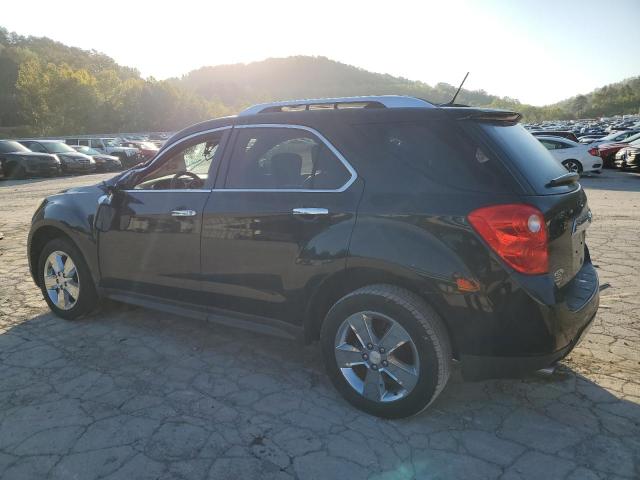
(386, 351)
(573, 166)
(65, 279)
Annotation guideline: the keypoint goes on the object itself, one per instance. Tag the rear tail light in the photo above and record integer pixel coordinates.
(517, 233)
(594, 151)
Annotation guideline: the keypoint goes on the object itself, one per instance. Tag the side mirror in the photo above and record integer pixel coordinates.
(105, 212)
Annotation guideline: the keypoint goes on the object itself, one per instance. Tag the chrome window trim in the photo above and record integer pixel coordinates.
(334, 150)
(162, 154)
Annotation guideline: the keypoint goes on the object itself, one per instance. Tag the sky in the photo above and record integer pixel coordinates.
(538, 51)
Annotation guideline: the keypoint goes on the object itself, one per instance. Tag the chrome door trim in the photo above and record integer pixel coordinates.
(183, 213)
(310, 211)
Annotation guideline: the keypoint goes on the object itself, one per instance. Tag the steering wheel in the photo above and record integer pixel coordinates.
(195, 179)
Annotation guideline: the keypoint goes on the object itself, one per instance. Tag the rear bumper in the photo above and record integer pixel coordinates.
(476, 367)
(563, 324)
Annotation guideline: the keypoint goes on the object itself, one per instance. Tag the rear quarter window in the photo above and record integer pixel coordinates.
(438, 152)
(525, 152)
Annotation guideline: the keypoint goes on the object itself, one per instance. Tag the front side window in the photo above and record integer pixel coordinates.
(35, 147)
(283, 159)
(185, 168)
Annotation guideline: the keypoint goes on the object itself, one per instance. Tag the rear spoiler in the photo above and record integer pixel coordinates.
(509, 118)
(566, 179)
(505, 117)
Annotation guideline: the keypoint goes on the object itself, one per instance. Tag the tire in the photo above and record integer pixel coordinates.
(573, 166)
(428, 354)
(78, 301)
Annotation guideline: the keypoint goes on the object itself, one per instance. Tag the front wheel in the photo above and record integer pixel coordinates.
(65, 280)
(573, 166)
(386, 351)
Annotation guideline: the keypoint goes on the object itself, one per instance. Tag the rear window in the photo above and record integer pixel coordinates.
(439, 151)
(527, 154)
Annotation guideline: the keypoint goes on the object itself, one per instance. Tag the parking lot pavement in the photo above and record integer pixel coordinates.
(131, 393)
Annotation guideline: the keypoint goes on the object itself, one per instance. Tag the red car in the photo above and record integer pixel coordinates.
(607, 151)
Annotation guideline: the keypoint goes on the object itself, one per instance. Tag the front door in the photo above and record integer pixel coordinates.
(278, 223)
(153, 245)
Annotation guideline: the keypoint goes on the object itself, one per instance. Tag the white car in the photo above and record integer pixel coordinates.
(574, 156)
(617, 136)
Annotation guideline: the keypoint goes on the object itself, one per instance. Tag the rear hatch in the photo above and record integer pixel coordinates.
(563, 202)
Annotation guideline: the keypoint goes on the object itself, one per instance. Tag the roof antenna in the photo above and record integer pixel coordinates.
(452, 102)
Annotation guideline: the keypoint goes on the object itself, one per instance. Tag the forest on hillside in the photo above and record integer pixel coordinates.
(47, 88)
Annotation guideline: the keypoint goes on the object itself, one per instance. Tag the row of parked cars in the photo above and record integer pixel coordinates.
(72, 155)
(588, 146)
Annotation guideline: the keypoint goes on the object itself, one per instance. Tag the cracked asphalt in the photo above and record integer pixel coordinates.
(130, 393)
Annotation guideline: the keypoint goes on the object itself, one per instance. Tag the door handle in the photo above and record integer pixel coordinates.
(310, 211)
(183, 213)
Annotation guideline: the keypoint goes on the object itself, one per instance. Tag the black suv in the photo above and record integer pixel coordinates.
(399, 234)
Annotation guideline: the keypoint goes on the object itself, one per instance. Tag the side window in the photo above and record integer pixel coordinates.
(186, 166)
(282, 159)
(83, 142)
(36, 147)
(96, 143)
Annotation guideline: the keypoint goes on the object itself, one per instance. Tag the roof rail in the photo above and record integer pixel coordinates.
(381, 101)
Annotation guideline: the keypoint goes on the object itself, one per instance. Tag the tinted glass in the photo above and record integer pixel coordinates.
(58, 147)
(35, 147)
(440, 152)
(527, 154)
(9, 146)
(283, 158)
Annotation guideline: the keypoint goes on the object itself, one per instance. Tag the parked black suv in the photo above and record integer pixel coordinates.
(399, 234)
(17, 161)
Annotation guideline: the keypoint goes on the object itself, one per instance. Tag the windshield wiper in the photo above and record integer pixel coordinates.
(566, 179)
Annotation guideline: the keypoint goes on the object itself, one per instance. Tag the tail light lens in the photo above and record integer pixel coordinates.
(594, 151)
(517, 233)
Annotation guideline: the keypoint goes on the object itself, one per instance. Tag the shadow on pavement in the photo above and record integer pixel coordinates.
(169, 385)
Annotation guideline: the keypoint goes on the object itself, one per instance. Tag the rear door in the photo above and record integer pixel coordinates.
(278, 222)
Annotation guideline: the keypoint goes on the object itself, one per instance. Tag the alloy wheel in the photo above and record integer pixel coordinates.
(572, 166)
(61, 280)
(377, 356)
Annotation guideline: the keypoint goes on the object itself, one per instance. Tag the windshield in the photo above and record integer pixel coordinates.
(618, 136)
(632, 138)
(9, 146)
(57, 147)
(86, 150)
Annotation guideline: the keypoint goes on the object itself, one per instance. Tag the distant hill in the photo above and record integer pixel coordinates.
(614, 99)
(311, 77)
(50, 88)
